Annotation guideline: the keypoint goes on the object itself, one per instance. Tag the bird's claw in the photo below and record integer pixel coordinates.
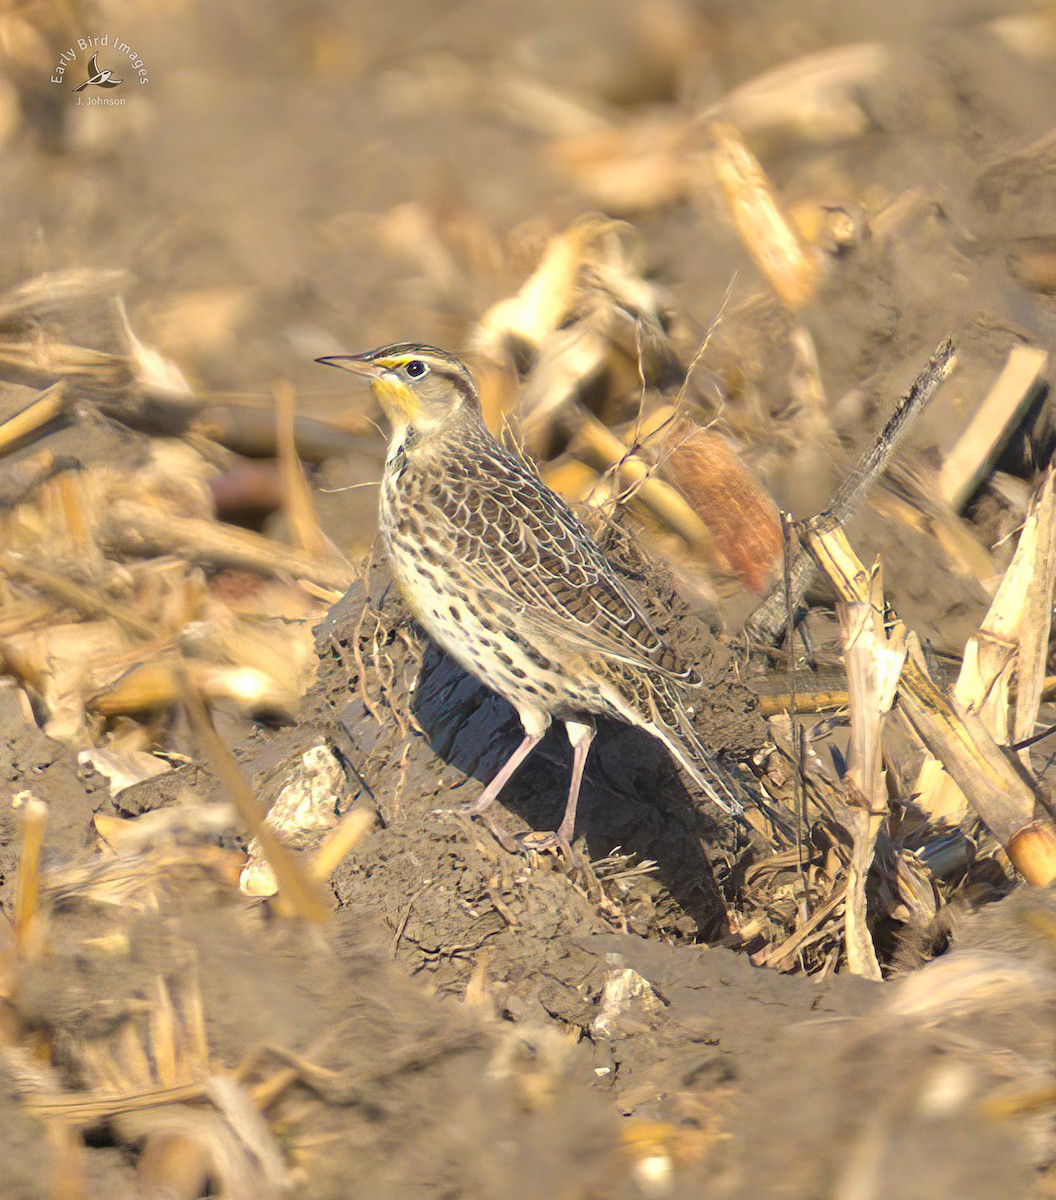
(502, 835)
(548, 841)
(512, 843)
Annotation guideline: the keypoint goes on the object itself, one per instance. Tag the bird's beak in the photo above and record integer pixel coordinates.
(356, 363)
(397, 400)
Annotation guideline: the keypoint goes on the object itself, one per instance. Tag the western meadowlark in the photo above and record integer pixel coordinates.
(505, 579)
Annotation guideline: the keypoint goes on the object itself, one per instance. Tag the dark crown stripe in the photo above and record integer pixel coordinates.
(416, 350)
(444, 364)
(464, 386)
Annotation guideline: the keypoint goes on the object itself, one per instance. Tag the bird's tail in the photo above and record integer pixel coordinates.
(673, 725)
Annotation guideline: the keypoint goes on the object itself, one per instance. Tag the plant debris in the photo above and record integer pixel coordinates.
(697, 257)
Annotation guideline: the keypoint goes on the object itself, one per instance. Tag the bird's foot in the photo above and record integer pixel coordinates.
(538, 843)
(548, 841)
(498, 831)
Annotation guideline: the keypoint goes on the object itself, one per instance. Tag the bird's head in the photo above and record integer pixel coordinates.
(415, 385)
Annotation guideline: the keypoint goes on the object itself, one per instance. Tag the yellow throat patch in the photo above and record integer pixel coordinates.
(399, 402)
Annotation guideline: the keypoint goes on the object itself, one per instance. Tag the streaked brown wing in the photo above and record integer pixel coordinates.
(526, 546)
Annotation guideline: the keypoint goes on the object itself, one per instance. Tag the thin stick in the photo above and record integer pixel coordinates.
(796, 728)
(848, 495)
(138, 529)
(44, 407)
(301, 516)
(86, 1107)
(992, 424)
(85, 601)
(342, 839)
(27, 893)
(597, 445)
(769, 619)
(303, 893)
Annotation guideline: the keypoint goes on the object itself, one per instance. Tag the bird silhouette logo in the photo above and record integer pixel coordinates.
(97, 76)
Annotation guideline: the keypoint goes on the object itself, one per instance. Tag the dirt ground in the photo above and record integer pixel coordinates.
(299, 181)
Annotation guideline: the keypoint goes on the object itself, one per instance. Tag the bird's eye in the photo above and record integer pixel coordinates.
(415, 369)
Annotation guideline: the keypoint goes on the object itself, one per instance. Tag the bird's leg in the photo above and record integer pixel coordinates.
(580, 735)
(529, 721)
(491, 792)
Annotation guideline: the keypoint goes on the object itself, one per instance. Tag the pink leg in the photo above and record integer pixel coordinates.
(580, 736)
(491, 792)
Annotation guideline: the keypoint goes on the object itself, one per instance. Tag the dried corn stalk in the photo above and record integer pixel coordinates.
(1004, 800)
(584, 313)
(788, 263)
(1009, 649)
(970, 457)
(873, 657)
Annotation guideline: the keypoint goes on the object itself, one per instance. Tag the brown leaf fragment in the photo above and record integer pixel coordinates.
(740, 514)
